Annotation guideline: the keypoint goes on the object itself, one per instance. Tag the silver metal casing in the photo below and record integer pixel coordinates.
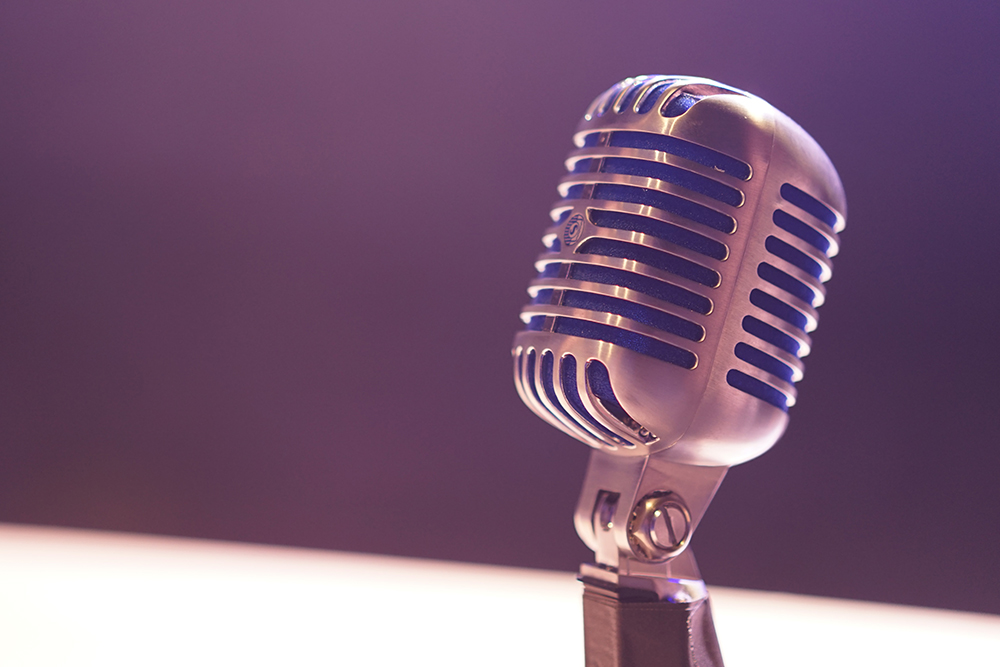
(682, 274)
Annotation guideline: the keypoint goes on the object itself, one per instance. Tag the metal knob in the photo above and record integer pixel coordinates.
(659, 528)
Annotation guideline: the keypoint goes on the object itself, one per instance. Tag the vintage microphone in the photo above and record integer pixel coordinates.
(666, 330)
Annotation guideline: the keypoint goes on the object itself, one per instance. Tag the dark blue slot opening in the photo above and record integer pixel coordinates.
(581, 166)
(543, 296)
(599, 382)
(632, 341)
(635, 312)
(653, 96)
(654, 258)
(770, 334)
(664, 201)
(530, 380)
(550, 270)
(779, 278)
(567, 373)
(757, 389)
(549, 386)
(671, 174)
(644, 284)
(629, 99)
(778, 308)
(764, 361)
(681, 148)
(793, 225)
(661, 230)
(809, 204)
(679, 104)
(535, 323)
(793, 256)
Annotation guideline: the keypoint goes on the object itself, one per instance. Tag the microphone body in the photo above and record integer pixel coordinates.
(666, 329)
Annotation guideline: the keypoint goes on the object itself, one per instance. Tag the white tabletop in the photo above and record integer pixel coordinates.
(70, 597)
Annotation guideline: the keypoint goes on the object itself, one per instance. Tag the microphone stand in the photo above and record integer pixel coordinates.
(644, 601)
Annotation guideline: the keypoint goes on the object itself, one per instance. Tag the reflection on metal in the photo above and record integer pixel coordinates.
(659, 528)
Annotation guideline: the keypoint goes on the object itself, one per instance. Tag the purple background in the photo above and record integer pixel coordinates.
(261, 263)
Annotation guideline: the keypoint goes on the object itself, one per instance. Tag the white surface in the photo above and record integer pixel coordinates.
(84, 598)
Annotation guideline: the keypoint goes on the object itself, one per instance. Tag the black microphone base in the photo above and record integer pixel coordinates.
(625, 628)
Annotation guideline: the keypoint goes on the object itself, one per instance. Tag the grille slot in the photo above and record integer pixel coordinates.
(757, 388)
(779, 278)
(659, 229)
(526, 365)
(778, 308)
(630, 340)
(633, 311)
(652, 96)
(657, 259)
(675, 146)
(769, 334)
(664, 201)
(805, 288)
(548, 386)
(657, 289)
(810, 205)
(567, 373)
(764, 361)
(599, 382)
(628, 99)
(679, 104)
(633, 206)
(559, 401)
(793, 256)
(794, 226)
(671, 174)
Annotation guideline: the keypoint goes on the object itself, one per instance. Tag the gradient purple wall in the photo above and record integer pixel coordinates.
(260, 265)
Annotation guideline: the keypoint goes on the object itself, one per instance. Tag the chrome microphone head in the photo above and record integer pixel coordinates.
(682, 274)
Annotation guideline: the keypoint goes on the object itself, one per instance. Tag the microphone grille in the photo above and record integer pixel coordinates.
(644, 256)
(795, 264)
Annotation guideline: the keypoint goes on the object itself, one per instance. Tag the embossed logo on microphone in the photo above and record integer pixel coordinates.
(573, 230)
